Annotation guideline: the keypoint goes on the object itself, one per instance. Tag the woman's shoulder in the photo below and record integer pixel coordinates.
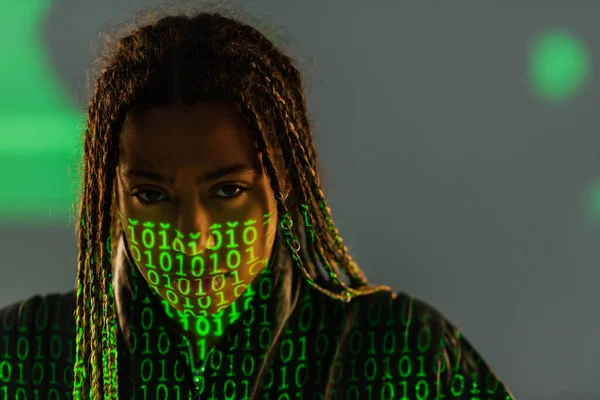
(410, 319)
(412, 332)
(37, 336)
(38, 313)
(427, 334)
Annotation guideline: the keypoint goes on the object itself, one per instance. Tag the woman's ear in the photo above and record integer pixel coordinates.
(116, 216)
(115, 192)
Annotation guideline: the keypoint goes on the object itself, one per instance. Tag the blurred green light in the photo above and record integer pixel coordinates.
(559, 66)
(40, 144)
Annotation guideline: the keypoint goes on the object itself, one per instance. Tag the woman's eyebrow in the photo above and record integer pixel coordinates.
(211, 176)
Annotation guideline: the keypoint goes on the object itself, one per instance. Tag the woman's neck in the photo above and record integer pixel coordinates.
(201, 343)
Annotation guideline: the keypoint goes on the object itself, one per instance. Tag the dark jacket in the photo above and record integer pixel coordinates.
(380, 346)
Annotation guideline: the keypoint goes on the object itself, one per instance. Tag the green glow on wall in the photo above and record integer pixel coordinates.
(39, 125)
(592, 202)
(559, 66)
(40, 147)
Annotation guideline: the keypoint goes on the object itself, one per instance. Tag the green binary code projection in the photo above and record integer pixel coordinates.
(382, 348)
(39, 125)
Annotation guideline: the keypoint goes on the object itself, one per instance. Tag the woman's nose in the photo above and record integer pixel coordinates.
(194, 243)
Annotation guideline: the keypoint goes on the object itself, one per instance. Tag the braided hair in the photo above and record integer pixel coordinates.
(183, 60)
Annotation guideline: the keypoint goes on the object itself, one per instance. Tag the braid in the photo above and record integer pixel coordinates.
(309, 184)
(96, 322)
(83, 329)
(182, 60)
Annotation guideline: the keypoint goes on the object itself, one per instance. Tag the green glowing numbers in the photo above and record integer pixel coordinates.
(306, 316)
(250, 235)
(301, 375)
(286, 350)
(424, 338)
(5, 371)
(322, 345)
(318, 348)
(247, 365)
(162, 392)
(356, 343)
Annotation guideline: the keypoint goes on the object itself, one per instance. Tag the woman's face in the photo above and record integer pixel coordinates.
(210, 220)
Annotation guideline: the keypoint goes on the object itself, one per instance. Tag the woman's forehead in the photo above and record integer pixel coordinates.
(210, 131)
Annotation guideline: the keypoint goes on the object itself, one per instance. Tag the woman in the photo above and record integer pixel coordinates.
(209, 265)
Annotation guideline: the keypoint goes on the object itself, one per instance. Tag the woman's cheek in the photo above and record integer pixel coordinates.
(252, 243)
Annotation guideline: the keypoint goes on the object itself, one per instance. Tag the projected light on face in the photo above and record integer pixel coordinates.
(195, 204)
(212, 278)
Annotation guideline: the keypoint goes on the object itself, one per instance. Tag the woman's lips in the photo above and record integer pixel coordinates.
(176, 276)
(202, 285)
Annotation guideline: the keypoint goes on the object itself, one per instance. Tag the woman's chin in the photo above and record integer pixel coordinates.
(212, 310)
(206, 305)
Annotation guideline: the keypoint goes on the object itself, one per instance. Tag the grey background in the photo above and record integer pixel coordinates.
(447, 179)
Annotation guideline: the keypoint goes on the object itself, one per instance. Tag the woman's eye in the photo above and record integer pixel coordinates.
(238, 190)
(139, 196)
(149, 196)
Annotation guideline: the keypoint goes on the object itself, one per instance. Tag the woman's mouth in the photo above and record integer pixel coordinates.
(201, 286)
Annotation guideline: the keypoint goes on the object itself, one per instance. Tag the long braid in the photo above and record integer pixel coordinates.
(283, 107)
(83, 328)
(87, 279)
(96, 348)
(185, 60)
(294, 173)
(309, 153)
(108, 324)
(291, 75)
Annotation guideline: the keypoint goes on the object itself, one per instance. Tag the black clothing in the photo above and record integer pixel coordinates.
(380, 346)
